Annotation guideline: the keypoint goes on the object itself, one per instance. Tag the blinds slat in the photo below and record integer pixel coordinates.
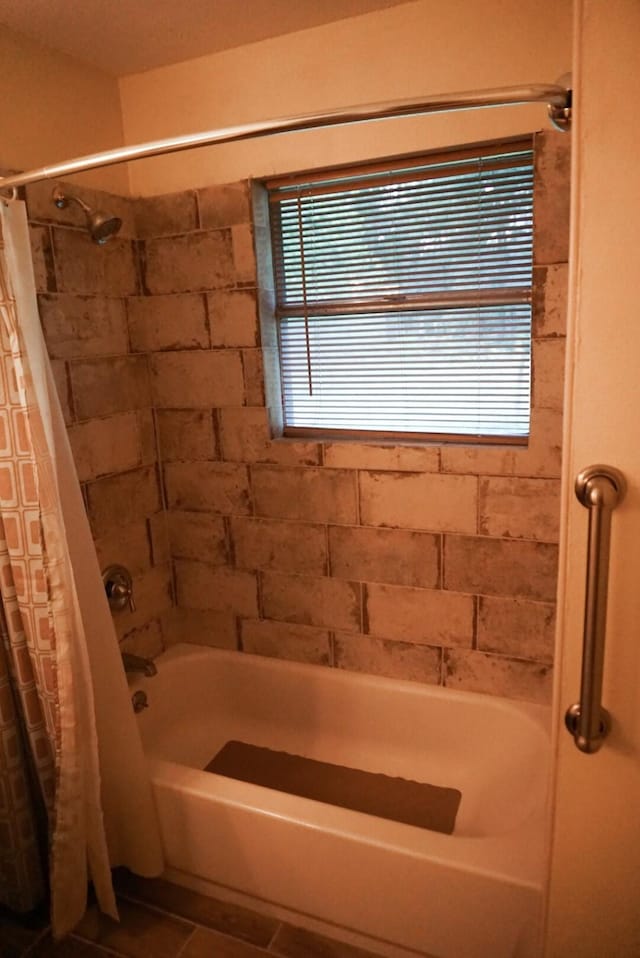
(308, 186)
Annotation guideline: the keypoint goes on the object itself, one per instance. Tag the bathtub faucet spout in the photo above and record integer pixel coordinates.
(136, 663)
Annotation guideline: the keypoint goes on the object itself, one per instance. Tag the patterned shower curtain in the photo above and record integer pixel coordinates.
(74, 799)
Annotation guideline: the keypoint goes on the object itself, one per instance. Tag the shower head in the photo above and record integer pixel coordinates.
(102, 226)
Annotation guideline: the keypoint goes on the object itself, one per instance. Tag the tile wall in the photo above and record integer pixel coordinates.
(435, 563)
(105, 390)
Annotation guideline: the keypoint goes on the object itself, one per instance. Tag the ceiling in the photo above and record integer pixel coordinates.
(130, 36)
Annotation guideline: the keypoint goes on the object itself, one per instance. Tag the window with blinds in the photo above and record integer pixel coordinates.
(403, 297)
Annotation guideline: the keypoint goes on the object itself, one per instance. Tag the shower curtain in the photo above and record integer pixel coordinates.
(74, 795)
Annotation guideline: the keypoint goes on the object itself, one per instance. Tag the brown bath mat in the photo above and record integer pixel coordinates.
(398, 799)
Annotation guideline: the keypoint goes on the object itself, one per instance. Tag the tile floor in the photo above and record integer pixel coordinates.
(161, 920)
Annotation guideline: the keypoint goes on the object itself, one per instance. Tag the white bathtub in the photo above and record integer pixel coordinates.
(473, 894)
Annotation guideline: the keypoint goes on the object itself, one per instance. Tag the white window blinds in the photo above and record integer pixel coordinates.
(403, 297)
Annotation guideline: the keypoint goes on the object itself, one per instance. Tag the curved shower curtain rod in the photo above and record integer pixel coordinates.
(557, 98)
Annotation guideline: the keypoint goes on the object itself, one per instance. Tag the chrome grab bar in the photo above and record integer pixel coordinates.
(599, 489)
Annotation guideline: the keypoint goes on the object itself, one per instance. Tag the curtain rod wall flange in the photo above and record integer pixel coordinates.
(560, 115)
(556, 96)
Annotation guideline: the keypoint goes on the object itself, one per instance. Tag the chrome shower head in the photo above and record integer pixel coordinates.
(102, 226)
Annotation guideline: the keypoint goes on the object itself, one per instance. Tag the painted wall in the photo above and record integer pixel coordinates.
(418, 48)
(54, 108)
(595, 888)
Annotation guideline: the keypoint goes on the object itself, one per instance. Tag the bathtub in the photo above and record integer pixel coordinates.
(473, 894)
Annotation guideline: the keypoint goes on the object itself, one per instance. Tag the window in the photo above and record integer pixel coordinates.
(403, 297)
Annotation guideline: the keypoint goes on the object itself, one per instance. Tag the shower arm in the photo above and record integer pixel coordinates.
(556, 96)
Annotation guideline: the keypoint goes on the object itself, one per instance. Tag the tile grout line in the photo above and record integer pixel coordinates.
(30, 948)
(153, 907)
(275, 934)
(103, 949)
(187, 940)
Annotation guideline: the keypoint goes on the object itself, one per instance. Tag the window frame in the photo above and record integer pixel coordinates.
(522, 295)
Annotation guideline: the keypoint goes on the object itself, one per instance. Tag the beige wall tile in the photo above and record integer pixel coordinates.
(158, 530)
(104, 386)
(421, 616)
(385, 555)
(516, 627)
(84, 267)
(396, 660)
(42, 257)
(292, 452)
(279, 640)
(165, 215)
(147, 641)
(478, 460)
(42, 209)
(168, 322)
(419, 501)
(244, 257)
(551, 197)
(225, 205)
(259, 204)
(196, 378)
(354, 455)
(548, 373)
(328, 603)
(189, 263)
(272, 391)
(478, 672)
(76, 327)
(221, 588)
(252, 365)
(196, 535)
(120, 500)
(187, 434)
(323, 495)
(60, 372)
(267, 305)
(233, 317)
(506, 567)
(280, 546)
(103, 446)
(543, 456)
(244, 433)
(148, 439)
(245, 437)
(200, 627)
(152, 594)
(218, 487)
(550, 289)
(128, 546)
(520, 508)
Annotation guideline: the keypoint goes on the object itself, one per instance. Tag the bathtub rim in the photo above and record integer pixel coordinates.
(539, 716)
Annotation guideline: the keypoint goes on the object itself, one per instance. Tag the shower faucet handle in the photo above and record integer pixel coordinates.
(118, 584)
